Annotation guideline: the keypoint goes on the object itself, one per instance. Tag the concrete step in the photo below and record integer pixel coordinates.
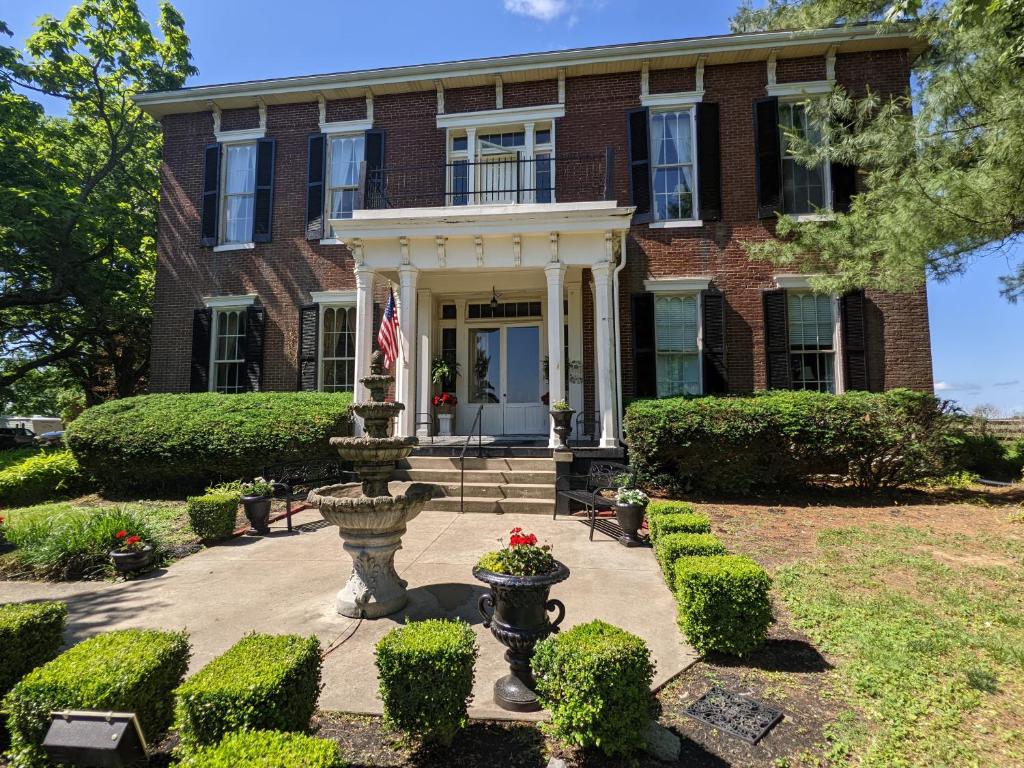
(494, 490)
(493, 505)
(452, 462)
(492, 476)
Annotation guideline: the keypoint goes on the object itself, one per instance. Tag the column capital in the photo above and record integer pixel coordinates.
(602, 270)
(407, 273)
(553, 268)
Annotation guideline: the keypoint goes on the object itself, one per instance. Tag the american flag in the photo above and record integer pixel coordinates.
(387, 336)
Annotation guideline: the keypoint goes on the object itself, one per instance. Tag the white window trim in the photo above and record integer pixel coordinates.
(230, 302)
(805, 217)
(236, 139)
(328, 153)
(803, 283)
(242, 136)
(695, 220)
(488, 118)
(329, 300)
(676, 224)
(661, 289)
(234, 247)
(799, 91)
(345, 126)
(333, 297)
(677, 284)
(220, 304)
(679, 99)
(825, 213)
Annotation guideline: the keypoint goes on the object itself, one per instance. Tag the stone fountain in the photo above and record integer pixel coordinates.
(371, 515)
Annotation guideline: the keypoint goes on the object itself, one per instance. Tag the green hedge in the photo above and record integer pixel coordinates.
(426, 677)
(659, 507)
(596, 680)
(263, 682)
(724, 603)
(677, 522)
(672, 546)
(187, 441)
(42, 476)
(212, 515)
(131, 670)
(30, 635)
(737, 444)
(266, 749)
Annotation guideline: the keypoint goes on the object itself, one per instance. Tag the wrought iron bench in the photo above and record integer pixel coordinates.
(602, 476)
(293, 482)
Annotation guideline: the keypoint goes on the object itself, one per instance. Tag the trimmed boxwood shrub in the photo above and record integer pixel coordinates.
(723, 603)
(672, 546)
(659, 507)
(212, 515)
(263, 682)
(426, 677)
(678, 522)
(187, 441)
(43, 476)
(266, 749)
(130, 670)
(596, 680)
(30, 635)
(775, 439)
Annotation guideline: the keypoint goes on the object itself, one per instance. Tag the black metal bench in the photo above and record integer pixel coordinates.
(293, 482)
(602, 476)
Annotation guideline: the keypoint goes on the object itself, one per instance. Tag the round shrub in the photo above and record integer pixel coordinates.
(596, 681)
(678, 522)
(426, 677)
(188, 441)
(212, 515)
(724, 603)
(672, 546)
(266, 749)
(42, 476)
(30, 635)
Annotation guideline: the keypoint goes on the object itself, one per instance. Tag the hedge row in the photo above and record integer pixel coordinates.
(775, 439)
(30, 635)
(266, 749)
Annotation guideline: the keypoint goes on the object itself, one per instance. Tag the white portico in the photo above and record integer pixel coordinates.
(498, 290)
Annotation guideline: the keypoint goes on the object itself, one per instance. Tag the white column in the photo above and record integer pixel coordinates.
(405, 383)
(364, 333)
(531, 166)
(554, 272)
(424, 332)
(471, 170)
(605, 358)
(574, 297)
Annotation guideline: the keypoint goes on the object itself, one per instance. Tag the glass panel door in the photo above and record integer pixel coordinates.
(485, 381)
(524, 411)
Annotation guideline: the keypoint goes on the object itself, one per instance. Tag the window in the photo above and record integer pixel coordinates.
(228, 363)
(812, 329)
(804, 190)
(507, 309)
(450, 355)
(345, 153)
(501, 165)
(673, 164)
(338, 349)
(676, 336)
(239, 192)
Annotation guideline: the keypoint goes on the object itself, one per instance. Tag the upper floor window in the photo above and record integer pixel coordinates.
(812, 340)
(338, 348)
(676, 326)
(673, 165)
(345, 153)
(239, 192)
(804, 190)
(227, 363)
(507, 165)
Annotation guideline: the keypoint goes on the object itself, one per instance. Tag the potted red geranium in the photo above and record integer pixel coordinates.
(131, 552)
(444, 404)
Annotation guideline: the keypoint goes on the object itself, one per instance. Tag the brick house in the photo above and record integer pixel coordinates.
(561, 225)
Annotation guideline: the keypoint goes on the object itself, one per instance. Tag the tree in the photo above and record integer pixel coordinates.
(942, 168)
(79, 200)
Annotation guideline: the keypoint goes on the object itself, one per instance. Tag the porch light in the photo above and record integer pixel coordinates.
(89, 738)
(494, 299)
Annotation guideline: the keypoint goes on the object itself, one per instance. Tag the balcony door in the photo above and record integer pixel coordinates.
(505, 376)
(498, 178)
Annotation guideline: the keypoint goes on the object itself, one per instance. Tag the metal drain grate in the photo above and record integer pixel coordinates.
(315, 525)
(741, 716)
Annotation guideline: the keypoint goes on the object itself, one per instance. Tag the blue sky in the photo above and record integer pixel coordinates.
(977, 337)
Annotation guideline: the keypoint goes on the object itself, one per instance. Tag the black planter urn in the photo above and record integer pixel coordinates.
(516, 612)
(563, 425)
(630, 517)
(257, 512)
(130, 562)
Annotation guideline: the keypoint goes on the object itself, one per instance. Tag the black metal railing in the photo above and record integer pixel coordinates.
(478, 427)
(502, 179)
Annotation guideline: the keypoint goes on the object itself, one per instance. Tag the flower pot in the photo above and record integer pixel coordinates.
(563, 425)
(516, 612)
(257, 512)
(444, 423)
(130, 562)
(630, 517)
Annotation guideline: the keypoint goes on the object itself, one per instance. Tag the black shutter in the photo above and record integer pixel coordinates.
(211, 194)
(315, 169)
(844, 186)
(716, 377)
(255, 323)
(309, 344)
(769, 157)
(263, 205)
(645, 357)
(640, 164)
(202, 326)
(851, 308)
(709, 164)
(776, 339)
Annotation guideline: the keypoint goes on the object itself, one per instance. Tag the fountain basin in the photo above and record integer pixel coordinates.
(345, 506)
(371, 450)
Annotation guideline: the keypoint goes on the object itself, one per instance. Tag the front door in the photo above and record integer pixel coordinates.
(505, 376)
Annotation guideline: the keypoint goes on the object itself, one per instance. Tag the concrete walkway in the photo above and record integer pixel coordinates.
(285, 583)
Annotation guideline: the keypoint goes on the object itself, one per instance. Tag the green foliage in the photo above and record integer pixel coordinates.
(130, 670)
(677, 522)
(266, 749)
(658, 507)
(596, 680)
(518, 561)
(668, 548)
(263, 682)
(632, 496)
(724, 605)
(49, 391)
(426, 677)
(778, 439)
(30, 635)
(982, 453)
(13, 456)
(187, 441)
(212, 515)
(42, 476)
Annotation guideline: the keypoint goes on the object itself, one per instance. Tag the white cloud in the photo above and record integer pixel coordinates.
(544, 10)
(957, 386)
(942, 386)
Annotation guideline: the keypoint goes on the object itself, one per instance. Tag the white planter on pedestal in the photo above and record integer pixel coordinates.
(444, 424)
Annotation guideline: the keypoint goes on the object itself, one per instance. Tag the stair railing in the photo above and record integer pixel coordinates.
(478, 427)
